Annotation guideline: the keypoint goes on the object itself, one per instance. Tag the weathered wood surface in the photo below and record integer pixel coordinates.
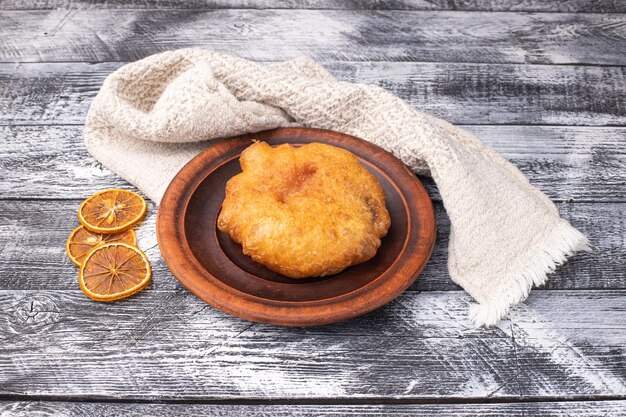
(461, 93)
(568, 342)
(555, 6)
(33, 234)
(539, 409)
(567, 163)
(269, 35)
(170, 345)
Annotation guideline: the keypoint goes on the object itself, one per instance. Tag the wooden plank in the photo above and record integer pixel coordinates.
(461, 93)
(33, 234)
(268, 35)
(557, 344)
(540, 409)
(168, 345)
(567, 163)
(576, 6)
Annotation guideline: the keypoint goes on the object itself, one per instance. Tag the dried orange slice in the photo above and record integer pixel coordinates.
(81, 241)
(114, 271)
(111, 211)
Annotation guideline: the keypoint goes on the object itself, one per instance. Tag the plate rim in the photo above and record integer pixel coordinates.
(179, 258)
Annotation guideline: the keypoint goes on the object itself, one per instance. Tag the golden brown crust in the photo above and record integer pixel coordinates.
(303, 212)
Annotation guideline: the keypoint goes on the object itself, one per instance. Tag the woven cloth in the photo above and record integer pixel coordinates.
(152, 116)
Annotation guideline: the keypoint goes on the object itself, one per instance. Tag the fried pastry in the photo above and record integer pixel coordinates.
(304, 211)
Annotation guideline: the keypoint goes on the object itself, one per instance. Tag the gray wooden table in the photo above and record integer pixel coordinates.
(543, 82)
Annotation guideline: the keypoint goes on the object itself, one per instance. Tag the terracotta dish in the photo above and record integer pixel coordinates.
(213, 267)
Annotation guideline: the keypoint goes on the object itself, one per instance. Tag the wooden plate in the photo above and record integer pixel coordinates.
(213, 267)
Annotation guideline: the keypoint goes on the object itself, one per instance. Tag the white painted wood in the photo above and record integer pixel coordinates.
(576, 6)
(460, 93)
(33, 234)
(540, 409)
(170, 345)
(567, 163)
(568, 342)
(268, 35)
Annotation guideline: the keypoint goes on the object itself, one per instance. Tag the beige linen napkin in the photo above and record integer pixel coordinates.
(152, 116)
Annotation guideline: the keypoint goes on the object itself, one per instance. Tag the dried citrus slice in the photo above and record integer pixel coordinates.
(111, 211)
(114, 271)
(81, 241)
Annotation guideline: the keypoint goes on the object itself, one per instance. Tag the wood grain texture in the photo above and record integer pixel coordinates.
(572, 6)
(567, 163)
(269, 35)
(33, 234)
(540, 409)
(453, 59)
(460, 93)
(163, 345)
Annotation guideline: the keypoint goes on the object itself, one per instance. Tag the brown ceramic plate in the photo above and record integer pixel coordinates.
(213, 267)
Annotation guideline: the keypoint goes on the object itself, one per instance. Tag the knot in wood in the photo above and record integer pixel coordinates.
(35, 312)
